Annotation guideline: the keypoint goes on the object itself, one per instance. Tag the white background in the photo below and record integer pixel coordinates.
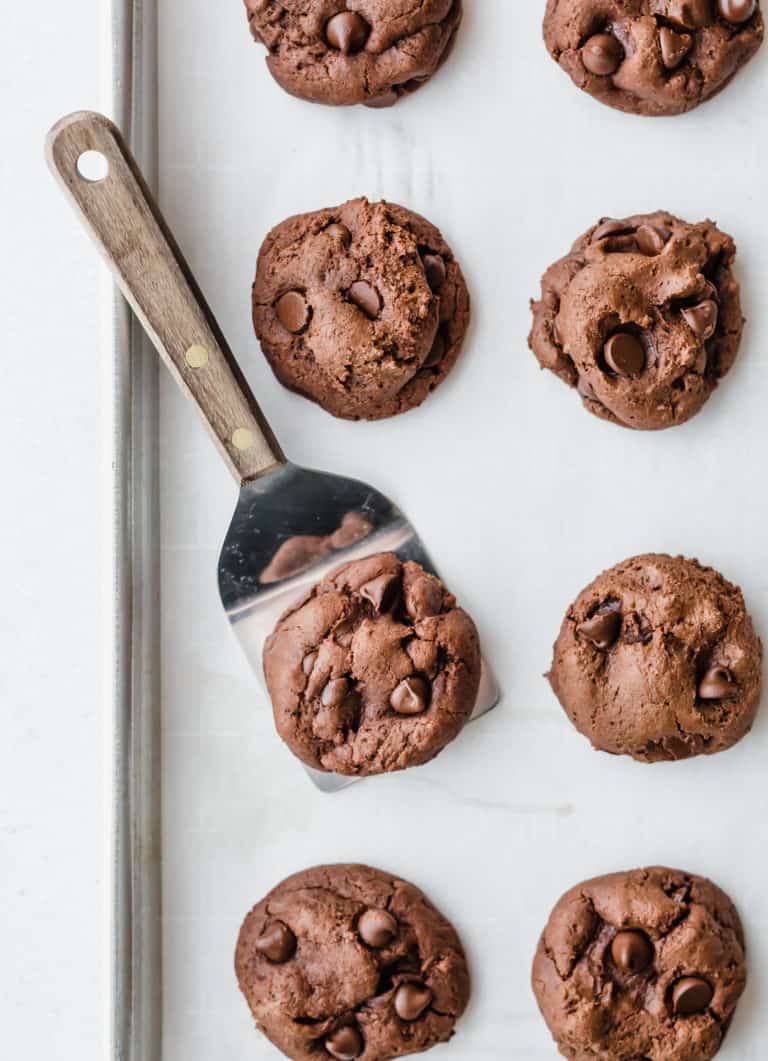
(521, 496)
(51, 983)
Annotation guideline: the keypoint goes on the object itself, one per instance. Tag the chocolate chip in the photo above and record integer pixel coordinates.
(382, 592)
(651, 240)
(347, 32)
(386, 99)
(610, 227)
(377, 928)
(366, 298)
(335, 692)
(737, 11)
(411, 1000)
(702, 319)
(710, 291)
(437, 353)
(717, 684)
(691, 995)
(602, 54)
(292, 311)
(277, 943)
(345, 1044)
(674, 47)
(693, 14)
(308, 664)
(345, 632)
(632, 951)
(602, 629)
(624, 354)
(410, 697)
(436, 271)
(340, 233)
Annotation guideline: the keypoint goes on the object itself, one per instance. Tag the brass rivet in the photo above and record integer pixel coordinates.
(196, 356)
(243, 438)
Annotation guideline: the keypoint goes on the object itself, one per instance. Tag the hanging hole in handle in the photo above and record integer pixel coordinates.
(93, 166)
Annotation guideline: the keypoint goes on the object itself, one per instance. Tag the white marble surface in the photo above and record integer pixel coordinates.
(51, 912)
(521, 495)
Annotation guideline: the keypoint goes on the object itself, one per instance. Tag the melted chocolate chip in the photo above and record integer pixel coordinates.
(624, 354)
(651, 240)
(717, 684)
(377, 928)
(609, 227)
(674, 47)
(737, 11)
(437, 353)
(339, 232)
(411, 1000)
(366, 298)
(382, 592)
(691, 995)
(335, 692)
(277, 943)
(347, 32)
(386, 99)
(436, 271)
(632, 951)
(602, 55)
(345, 1044)
(692, 14)
(345, 631)
(702, 319)
(292, 312)
(603, 629)
(410, 697)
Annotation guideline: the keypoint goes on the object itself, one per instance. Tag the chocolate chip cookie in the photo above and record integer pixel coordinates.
(354, 51)
(643, 317)
(376, 670)
(658, 659)
(641, 966)
(349, 962)
(655, 57)
(362, 308)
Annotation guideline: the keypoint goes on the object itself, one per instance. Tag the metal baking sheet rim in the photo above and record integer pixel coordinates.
(130, 573)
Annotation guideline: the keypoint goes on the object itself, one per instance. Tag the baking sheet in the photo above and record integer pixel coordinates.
(129, 571)
(521, 495)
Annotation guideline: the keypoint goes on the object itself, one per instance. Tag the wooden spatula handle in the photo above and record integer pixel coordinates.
(125, 221)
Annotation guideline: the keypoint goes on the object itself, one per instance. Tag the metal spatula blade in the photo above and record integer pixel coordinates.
(291, 525)
(309, 511)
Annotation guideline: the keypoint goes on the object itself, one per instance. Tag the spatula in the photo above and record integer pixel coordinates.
(291, 525)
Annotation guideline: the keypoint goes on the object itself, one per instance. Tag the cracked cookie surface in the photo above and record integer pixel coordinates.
(359, 51)
(363, 308)
(647, 965)
(375, 671)
(658, 659)
(643, 317)
(349, 962)
(653, 57)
